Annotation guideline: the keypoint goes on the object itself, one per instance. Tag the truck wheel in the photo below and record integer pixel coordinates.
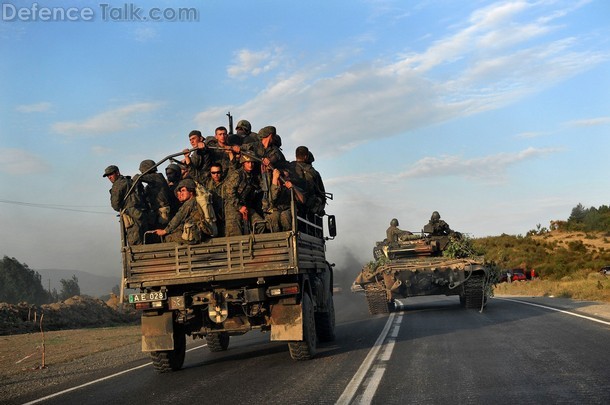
(171, 360)
(305, 349)
(217, 342)
(325, 322)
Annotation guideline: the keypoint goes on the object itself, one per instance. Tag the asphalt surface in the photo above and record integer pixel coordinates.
(430, 351)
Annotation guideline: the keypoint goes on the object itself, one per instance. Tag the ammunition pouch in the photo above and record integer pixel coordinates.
(191, 233)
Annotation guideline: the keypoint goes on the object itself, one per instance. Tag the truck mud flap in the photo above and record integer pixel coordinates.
(287, 322)
(157, 332)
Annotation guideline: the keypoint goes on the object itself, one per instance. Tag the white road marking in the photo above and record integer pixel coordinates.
(555, 309)
(372, 383)
(98, 380)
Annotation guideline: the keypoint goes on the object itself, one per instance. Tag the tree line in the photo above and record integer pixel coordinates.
(19, 283)
(551, 259)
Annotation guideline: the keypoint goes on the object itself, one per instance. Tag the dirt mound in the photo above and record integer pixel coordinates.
(75, 312)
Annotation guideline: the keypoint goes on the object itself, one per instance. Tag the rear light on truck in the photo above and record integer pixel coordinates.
(285, 290)
(142, 305)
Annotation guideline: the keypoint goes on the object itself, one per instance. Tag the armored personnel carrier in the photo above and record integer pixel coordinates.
(414, 265)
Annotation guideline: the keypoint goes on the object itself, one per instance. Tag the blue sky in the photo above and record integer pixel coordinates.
(494, 113)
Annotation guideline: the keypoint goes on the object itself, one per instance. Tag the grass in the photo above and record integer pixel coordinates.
(588, 287)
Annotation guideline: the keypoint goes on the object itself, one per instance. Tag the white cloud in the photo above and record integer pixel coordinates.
(493, 166)
(21, 162)
(100, 150)
(251, 63)
(33, 108)
(145, 34)
(336, 112)
(106, 122)
(531, 134)
(590, 122)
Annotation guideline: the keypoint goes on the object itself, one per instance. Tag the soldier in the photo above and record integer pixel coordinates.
(197, 162)
(311, 181)
(266, 149)
(393, 233)
(242, 199)
(215, 185)
(185, 226)
(227, 158)
(157, 193)
(436, 226)
(278, 216)
(243, 134)
(173, 172)
(133, 209)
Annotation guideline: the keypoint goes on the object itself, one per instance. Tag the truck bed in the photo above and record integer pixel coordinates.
(218, 259)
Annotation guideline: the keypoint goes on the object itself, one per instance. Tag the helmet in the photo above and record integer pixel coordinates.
(245, 158)
(266, 131)
(394, 222)
(244, 124)
(147, 164)
(188, 183)
(173, 167)
(435, 216)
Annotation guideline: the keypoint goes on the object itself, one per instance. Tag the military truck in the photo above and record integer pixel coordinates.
(279, 283)
(414, 265)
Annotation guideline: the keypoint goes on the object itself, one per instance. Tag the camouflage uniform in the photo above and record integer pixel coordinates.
(310, 181)
(190, 214)
(157, 193)
(241, 189)
(200, 165)
(278, 216)
(218, 198)
(134, 207)
(220, 157)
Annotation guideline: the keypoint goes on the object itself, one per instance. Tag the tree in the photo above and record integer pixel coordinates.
(578, 213)
(69, 288)
(19, 283)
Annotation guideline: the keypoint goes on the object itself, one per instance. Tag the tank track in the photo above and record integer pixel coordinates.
(377, 299)
(474, 292)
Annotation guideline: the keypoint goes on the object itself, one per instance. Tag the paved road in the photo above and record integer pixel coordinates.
(430, 351)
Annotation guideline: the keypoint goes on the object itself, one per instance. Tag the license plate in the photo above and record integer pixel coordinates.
(147, 297)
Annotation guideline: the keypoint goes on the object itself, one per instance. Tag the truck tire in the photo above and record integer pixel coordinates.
(217, 342)
(305, 349)
(171, 360)
(325, 322)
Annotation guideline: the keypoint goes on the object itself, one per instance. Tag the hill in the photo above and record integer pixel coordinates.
(90, 284)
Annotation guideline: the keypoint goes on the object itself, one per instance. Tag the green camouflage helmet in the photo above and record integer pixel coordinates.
(266, 131)
(173, 167)
(245, 125)
(435, 216)
(147, 164)
(188, 183)
(394, 222)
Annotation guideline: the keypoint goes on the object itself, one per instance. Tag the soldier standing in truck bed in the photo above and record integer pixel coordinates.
(242, 205)
(198, 161)
(215, 185)
(157, 193)
(311, 181)
(133, 210)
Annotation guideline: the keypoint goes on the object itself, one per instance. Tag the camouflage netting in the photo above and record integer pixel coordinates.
(73, 313)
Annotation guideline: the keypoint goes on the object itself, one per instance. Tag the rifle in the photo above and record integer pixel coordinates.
(230, 123)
